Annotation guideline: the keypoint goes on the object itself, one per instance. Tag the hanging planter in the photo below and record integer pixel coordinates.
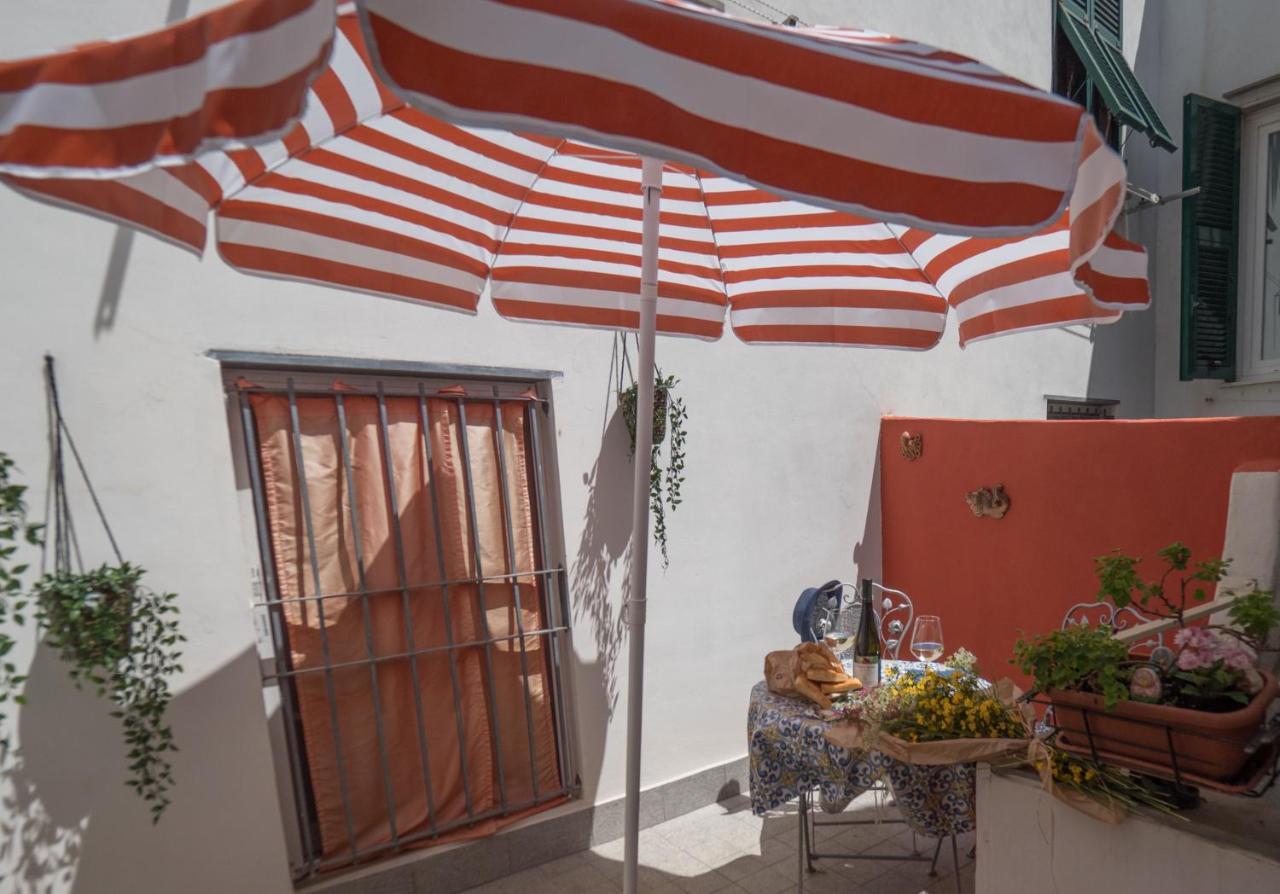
(115, 635)
(121, 639)
(669, 417)
(87, 617)
(629, 397)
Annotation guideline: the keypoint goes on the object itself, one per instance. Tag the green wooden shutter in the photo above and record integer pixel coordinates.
(1210, 238)
(1106, 18)
(1096, 40)
(1079, 7)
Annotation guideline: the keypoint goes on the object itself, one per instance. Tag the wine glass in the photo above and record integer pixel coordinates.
(926, 638)
(844, 628)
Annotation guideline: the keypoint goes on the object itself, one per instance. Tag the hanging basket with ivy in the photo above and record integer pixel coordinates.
(666, 472)
(121, 639)
(116, 635)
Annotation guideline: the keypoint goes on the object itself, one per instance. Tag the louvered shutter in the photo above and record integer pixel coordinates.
(1096, 37)
(1105, 18)
(1210, 238)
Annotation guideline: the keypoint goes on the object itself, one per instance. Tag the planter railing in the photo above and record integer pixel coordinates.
(1165, 745)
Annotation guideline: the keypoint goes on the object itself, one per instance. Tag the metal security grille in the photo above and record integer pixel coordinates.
(486, 396)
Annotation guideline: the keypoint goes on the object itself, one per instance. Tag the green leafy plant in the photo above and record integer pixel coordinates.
(1080, 657)
(665, 483)
(122, 639)
(14, 530)
(1253, 615)
(1118, 581)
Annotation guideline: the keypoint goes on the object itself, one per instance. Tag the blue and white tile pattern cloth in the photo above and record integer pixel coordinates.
(789, 753)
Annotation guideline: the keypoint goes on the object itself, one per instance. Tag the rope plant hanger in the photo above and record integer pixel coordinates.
(115, 634)
(668, 411)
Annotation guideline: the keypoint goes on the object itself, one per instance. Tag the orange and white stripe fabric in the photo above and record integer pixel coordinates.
(240, 72)
(572, 254)
(366, 194)
(858, 122)
(998, 286)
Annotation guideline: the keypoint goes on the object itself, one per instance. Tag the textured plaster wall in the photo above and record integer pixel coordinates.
(781, 493)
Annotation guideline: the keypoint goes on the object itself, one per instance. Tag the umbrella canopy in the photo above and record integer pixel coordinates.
(369, 194)
(240, 72)
(826, 185)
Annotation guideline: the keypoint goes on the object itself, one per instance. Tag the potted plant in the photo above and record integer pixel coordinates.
(1194, 710)
(121, 638)
(666, 481)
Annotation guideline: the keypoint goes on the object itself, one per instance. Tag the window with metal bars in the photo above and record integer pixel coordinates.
(414, 602)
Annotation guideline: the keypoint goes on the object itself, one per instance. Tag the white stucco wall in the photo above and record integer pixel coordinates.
(780, 477)
(1209, 47)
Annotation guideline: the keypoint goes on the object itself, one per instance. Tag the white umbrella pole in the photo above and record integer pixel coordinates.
(651, 186)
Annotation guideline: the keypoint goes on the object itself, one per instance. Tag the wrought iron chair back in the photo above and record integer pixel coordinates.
(894, 612)
(1115, 618)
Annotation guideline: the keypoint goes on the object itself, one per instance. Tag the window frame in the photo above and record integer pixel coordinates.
(1258, 125)
(245, 372)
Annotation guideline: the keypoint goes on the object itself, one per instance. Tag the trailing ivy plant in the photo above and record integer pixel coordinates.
(669, 417)
(14, 530)
(122, 639)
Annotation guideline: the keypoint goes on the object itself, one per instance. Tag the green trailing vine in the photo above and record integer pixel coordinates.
(14, 531)
(121, 639)
(665, 482)
(116, 636)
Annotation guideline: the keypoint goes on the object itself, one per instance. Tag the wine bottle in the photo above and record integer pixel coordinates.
(866, 645)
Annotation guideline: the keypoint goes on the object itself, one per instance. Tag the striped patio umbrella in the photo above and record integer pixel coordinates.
(824, 186)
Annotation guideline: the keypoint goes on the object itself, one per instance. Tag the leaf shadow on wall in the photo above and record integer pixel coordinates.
(46, 806)
(603, 552)
(68, 816)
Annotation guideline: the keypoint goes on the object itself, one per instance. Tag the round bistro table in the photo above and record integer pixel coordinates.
(791, 758)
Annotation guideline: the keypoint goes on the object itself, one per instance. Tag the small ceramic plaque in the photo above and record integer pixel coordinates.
(1145, 684)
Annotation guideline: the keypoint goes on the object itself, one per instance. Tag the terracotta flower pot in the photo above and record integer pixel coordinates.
(1205, 743)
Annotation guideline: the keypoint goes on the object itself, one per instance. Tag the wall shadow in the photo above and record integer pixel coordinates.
(69, 820)
(603, 553)
(602, 549)
(868, 552)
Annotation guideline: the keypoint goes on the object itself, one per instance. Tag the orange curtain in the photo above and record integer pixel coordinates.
(420, 594)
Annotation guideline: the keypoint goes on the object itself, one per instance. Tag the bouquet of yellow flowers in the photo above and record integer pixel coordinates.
(934, 706)
(1098, 790)
(934, 717)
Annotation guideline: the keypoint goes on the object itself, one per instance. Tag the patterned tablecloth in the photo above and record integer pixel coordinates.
(790, 753)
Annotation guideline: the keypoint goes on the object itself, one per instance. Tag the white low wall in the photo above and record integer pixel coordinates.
(1030, 842)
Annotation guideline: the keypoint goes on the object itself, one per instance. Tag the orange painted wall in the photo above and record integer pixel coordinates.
(1077, 490)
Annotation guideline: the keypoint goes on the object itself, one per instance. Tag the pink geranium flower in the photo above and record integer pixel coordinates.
(1201, 647)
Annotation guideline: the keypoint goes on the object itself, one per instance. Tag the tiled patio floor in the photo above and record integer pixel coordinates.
(724, 848)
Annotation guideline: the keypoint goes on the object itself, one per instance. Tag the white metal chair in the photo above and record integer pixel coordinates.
(895, 613)
(1104, 613)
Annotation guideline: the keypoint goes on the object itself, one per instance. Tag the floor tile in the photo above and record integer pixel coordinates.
(725, 849)
(743, 867)
(770, 880)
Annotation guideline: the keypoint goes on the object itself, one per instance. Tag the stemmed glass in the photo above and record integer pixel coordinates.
(844, 628)
(926, 638)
